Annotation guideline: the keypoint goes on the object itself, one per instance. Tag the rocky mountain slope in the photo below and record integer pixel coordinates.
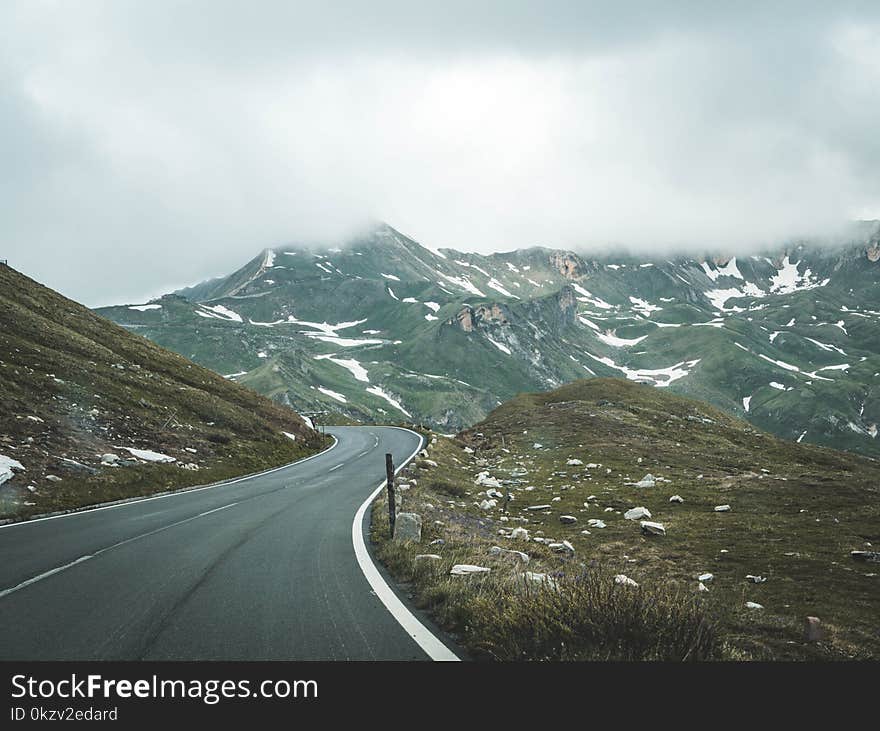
(90, 412)
(384, 328)
(624, 493)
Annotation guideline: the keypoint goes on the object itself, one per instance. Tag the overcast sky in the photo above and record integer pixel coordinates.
(147, 145)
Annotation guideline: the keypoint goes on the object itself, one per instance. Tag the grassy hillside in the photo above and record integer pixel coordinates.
(796, 513)
(76, 386)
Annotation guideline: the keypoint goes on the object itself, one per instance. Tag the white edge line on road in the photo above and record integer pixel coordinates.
(425, 639)
(175, 493)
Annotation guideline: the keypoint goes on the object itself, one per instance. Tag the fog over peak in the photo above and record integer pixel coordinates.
(146, 146)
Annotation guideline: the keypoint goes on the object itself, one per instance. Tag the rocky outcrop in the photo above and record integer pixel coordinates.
(568, 265)
(469, 318)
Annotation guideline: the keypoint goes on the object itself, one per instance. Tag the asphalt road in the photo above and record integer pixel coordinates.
(261, 569)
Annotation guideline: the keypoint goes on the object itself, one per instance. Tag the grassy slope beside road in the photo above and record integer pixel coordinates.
(74, 386)
(796, 513)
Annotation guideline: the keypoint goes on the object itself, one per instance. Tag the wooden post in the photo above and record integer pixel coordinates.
(392, 506)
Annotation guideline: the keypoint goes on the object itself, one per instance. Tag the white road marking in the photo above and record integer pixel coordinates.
(176, 493)
(222, 507)
(59, 569)
(336, 467)
(425, 639)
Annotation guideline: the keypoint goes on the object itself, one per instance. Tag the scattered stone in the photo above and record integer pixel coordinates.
(567, 519)
(519, 534)
(637, 513)
(109, 458)
(653, 529)
(586, 533)
(537, 507)
(488, 504)
(561, 547)
(705, 577)
(540, 579)
(574, 462)
(53, 478)
(518, 555)
(437, 542)
(408, 527)
(624, 580)
(676, 499)
(754, 605)
(755, 579)
(722, 508)
(594, 523)
(465, 569)
(701, 587)
(647, 481)
(813, 630)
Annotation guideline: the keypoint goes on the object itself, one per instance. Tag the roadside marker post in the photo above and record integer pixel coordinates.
(392, 506)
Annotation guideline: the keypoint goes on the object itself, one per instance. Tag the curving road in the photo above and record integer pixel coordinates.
(262, 568)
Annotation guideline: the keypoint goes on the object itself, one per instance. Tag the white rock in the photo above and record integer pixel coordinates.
(624, 580)
(574, 462)
(109, 458)
(701, 587)
(647, 481)
(464, 569)
(468, 450)
(754, 605)
(427, 557)
(595, 523)
(518, 555)
(567, 519)
(637, 513)
(540, 579)
(755, 579)
(149, 456)
(537, 507)
(8, 467)
(676, 499)
(519, 534)
(561, 547)
(655, 529)
(488, 504)
(705, 577)
(722, 508)
(408, 527)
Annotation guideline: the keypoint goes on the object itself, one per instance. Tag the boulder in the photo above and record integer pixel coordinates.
(676, 499)
(705, 577)
(637, 513)
(624, 580)
(505, 553)
(567, 519)
(722, 508)
(647, 481)
(813, 630)
(754, 605)
(755, 579)
(652, 529)
(427, 557)
(595, 523)
(574, 462)
(109, 458)
(408, 527)
(519, 534)
(465, 569)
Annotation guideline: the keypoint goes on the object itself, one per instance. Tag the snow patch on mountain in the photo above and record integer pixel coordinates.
(145, 308)
(377, 391)
(350, 364)
(333, 394)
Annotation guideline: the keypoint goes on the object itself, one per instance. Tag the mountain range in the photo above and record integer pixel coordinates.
(382, 328)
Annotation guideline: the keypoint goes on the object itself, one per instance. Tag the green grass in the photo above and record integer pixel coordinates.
(794, 524)
(76, 386)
